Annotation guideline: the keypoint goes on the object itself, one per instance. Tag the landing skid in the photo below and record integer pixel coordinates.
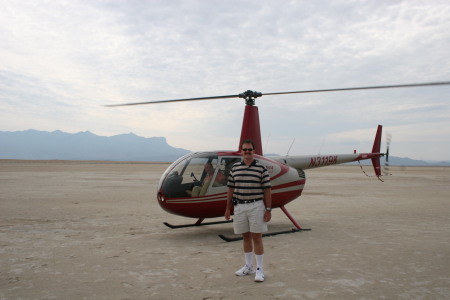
(198, 223)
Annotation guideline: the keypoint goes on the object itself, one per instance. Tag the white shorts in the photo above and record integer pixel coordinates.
(249, 217)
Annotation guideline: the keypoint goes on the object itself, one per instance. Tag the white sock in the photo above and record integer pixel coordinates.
(259, 261)
(249, 258)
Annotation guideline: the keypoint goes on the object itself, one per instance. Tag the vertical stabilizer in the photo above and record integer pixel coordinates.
(376, 149)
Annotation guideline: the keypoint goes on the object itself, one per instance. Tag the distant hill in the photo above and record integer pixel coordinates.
(43, 145)
(405, 161)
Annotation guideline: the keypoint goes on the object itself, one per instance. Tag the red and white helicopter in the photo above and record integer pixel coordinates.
(194, 186)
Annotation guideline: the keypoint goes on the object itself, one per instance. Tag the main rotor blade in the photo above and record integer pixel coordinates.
(363, 88)
(174, 100)
(293, 92)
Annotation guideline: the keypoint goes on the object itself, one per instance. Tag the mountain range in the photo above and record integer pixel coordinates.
(43, 145)
(57, 145)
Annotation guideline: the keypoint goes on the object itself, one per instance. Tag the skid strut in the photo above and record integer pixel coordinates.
(291, 218)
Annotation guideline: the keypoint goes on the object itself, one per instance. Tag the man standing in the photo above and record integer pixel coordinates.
(249, 191)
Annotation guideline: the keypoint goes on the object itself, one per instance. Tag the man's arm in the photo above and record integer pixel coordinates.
(268, 204)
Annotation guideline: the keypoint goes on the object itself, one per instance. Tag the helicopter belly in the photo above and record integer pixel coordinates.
(210, 206)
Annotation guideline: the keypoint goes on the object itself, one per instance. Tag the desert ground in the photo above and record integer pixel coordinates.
(94, 230)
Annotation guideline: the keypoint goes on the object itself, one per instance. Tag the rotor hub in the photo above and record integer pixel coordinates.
(250, 96)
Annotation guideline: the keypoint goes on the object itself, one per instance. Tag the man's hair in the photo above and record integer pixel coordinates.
(248, 141)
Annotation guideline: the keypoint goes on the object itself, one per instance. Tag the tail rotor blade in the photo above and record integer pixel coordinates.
(386, 163)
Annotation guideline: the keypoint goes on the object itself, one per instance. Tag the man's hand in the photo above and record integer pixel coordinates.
(267, 216)
(227, 214)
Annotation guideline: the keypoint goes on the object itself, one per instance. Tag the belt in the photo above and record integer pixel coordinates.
(247, 201)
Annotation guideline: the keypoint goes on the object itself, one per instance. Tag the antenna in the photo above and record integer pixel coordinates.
(287, 154)
(320, 149)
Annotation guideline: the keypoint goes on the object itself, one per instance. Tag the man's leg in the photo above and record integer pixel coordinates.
(258, 243)
(248, 243)
(248, 252)
(259, 253)
(259, 249)
(248, 248)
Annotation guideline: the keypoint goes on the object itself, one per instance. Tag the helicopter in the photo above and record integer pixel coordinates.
(195, 185)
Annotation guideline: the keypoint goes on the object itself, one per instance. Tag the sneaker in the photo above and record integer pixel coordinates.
(245, 270)
(259, 277)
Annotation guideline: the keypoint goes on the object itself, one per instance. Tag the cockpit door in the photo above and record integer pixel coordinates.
(197, 175)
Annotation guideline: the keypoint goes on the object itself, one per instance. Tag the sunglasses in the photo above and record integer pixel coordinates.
(247, 149)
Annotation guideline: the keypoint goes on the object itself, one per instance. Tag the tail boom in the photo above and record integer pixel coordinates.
(305, 162)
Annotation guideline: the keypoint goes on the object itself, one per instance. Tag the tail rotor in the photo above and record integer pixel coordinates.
(386, 155)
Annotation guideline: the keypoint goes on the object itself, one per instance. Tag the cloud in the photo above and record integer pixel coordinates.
(61, 61)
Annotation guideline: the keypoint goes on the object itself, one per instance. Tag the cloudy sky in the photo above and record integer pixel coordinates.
(61, 61)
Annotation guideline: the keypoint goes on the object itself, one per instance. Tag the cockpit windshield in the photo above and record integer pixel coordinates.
(196, 174)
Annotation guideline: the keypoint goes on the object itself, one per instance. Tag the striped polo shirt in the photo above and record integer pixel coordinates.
(248, 181)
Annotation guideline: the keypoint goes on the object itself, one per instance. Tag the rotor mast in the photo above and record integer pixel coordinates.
(250, 124)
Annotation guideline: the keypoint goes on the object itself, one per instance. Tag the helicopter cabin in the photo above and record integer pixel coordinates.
(197, 174)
